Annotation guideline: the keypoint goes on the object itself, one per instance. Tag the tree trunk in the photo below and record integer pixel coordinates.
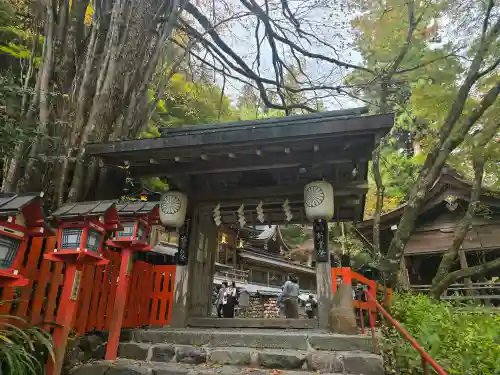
(451, 277)
(451, 255)
(45, 110)
(429, 173)
(379, 201)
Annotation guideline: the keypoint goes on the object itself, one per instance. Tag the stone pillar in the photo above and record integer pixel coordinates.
(187, 241)
(323, 271)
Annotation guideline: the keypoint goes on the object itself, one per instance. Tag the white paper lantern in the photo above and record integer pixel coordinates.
(318, 200)
(173, 208)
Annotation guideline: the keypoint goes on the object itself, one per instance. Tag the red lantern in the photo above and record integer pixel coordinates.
(136, 219)
(80, 239)
(81, 231)
(21, 217)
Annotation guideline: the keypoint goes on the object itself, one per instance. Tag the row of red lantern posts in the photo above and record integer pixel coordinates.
(81, 232)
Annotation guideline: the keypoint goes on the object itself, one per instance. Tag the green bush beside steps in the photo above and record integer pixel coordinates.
(462, 338)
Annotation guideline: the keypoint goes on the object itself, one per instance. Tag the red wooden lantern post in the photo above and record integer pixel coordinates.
(21, 217)
(80, 239)
(136, 219)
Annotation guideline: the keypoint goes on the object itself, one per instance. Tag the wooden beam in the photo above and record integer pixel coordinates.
(253, 162)
(285, 191)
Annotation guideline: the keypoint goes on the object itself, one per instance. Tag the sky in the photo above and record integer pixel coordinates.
(327, 23)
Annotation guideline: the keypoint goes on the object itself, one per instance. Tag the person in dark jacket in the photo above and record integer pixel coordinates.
(311, 307)
(230, 300)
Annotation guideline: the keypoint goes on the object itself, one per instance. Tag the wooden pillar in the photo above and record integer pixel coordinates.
(203, 266)
(463, 265)
(181, 292)
(65, 315)
(323, 271)
(115, 325)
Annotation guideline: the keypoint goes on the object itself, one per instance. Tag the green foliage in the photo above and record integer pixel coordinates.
(345, 237)
(192, 103)
(461, 340)
(21, 346)
(295, 234)
(184, 103)
(11, 133)
(419, 97)
(6, 12)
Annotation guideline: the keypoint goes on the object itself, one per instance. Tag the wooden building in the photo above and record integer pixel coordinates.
(442, 211)
(251, 257)
(235, 169)
(254, 258)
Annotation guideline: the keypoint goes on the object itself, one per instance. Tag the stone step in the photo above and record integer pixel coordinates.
(252, 338)
(124, 367)
(348, 362)
(253, 323)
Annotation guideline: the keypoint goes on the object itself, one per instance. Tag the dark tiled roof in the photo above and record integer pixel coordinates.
(134, 208)
(12, 204)
(96, 208)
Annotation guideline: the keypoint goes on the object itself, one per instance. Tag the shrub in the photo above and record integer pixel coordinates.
(22, 346)
(461, 339)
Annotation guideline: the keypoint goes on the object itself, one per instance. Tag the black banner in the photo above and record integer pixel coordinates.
(183, 248)
(320, 233)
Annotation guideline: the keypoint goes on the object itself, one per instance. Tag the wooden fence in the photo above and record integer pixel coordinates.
(149, 300)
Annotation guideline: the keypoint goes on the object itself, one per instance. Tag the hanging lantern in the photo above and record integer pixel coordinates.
(81, 231)
(21, 217)
(173, 208)
(318, 200)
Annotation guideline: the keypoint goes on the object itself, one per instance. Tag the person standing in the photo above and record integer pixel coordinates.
(220, 299)
(291, 298)
(229, 301)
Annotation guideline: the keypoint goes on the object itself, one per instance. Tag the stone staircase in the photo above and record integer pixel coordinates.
(195, 351)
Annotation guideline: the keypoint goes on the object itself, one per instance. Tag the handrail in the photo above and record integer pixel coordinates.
(426, 358)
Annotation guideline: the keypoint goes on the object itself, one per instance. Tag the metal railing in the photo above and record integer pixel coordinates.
(426, 359)
(372, 306)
